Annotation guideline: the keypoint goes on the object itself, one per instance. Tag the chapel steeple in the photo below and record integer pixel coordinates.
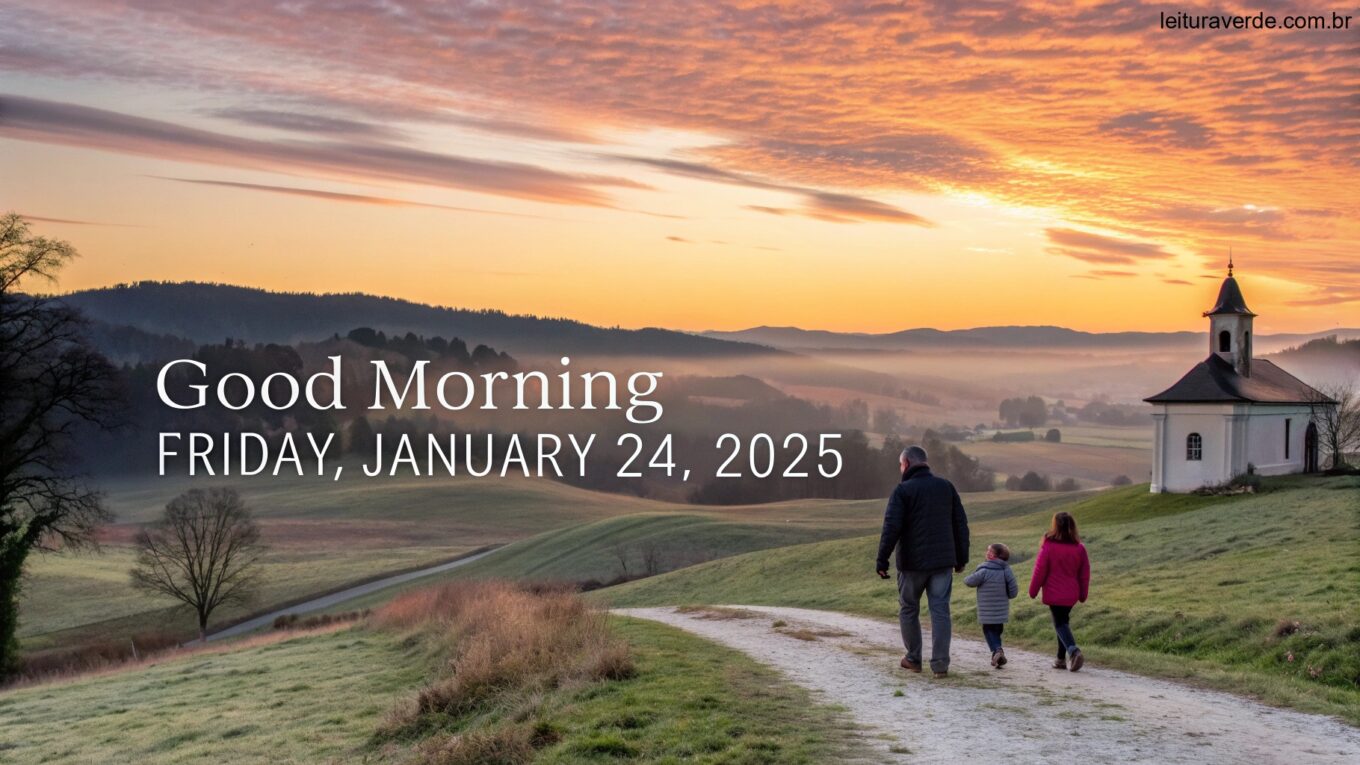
(1230, 325)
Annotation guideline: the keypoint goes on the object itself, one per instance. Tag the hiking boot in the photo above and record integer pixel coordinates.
(1077, 660)
(1060, 664)
(942, 673)
(909, 665)
(999, 658)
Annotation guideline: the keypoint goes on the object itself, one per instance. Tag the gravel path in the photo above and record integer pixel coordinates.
(1027, 712)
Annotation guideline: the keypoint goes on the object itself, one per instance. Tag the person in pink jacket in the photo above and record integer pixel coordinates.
(1063, 572)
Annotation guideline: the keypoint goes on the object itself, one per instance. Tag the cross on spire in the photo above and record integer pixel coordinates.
(1230, 262)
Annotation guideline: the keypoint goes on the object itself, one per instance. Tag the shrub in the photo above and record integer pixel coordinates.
(502, 644)
(296, 622)
(1121, 480)
(1053, 436)
(1246, 483)
(1013, 436)
(1032, 481)
(1067, 484)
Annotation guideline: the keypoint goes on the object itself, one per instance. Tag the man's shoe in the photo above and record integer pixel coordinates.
(941, 673)
(999, 658)
(909, 665)
(1060, 664)
(1077, 661)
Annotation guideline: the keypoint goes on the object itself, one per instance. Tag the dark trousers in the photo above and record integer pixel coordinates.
(937, 586)
(1067, 642)
(992, 632)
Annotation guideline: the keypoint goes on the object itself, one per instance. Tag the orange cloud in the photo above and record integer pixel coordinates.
(335, 196)
(1177, 141)
(45, 121)
(1095, 248)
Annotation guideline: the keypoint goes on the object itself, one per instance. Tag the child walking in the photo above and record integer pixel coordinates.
(1063, 572)
(996, 585)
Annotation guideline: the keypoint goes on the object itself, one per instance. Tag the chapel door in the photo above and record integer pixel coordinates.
(1310, 449)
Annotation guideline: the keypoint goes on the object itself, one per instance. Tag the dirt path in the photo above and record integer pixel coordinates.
(1027, 712)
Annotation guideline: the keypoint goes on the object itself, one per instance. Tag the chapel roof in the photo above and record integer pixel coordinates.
(1214, 380)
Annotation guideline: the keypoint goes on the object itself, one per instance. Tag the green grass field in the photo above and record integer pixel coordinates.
(305, 700)
(1205, 588)
(68, 598)
(675, 540)
(321, 535)
(324, 535)
(322, 698)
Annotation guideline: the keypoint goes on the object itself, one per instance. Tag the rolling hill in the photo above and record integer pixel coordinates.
(210, 312)
(1008, 337)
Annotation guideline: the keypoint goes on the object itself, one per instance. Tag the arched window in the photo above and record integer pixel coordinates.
(1224, 341)
(1194, 447)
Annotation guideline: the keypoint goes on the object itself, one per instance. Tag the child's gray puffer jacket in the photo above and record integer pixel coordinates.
(996, 586)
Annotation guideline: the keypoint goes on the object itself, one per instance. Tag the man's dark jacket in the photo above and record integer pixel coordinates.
(925, 522)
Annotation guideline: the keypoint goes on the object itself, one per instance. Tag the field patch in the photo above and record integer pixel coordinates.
(303, 700)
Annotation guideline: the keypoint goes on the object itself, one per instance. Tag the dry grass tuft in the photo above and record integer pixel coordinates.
(507, 745)
(504, 644)
(93, 657)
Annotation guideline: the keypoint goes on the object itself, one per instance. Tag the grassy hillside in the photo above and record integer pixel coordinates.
(300, 701)
(672, 540)
(332, 698)
(1254, 593)
(623, 547)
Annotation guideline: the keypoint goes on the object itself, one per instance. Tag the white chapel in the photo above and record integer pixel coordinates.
(1232, 411)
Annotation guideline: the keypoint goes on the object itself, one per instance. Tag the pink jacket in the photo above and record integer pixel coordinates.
(1063, 572)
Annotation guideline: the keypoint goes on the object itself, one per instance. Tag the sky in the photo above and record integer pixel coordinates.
(856, 166)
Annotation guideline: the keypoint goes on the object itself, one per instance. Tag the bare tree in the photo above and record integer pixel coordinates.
(202, 552)
(52, 383)
(1336, 412)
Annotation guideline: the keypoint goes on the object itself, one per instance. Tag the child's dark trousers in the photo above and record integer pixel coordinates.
(992, 632)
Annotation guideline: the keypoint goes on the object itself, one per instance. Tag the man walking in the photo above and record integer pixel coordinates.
(926, 523)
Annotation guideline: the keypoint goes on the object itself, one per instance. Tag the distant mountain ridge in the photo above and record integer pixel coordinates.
(211, 312)
(1039, 336)
(208, 313)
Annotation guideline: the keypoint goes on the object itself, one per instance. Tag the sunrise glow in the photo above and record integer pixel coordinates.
(696, 166)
